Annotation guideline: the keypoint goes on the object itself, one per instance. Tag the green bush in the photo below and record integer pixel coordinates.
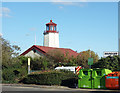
(109, 62)
(8, 74)
(51, 78)
(13, 75)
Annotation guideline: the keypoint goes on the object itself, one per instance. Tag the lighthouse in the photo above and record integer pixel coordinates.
(51, 42)
(51, 35)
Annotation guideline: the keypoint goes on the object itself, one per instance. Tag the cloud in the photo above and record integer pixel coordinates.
(60, 7)
(4, 12)
(6, 15)
(79, 3)
(68, 1)
(65, 3)
(84, 0)
(0, 14)
(27, 34)
(32, 29)
(1, 34)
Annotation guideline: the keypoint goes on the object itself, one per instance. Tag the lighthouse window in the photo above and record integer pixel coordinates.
(51, 27)
(55, 28)
(47, 28)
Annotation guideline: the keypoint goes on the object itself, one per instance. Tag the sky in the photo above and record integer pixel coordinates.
(81, 25)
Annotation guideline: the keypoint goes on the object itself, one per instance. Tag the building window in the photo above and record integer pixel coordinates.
(47, 28)
(54, 28)
(51, 27)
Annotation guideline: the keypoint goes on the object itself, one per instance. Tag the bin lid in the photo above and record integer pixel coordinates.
(86, 69)
(116, 73)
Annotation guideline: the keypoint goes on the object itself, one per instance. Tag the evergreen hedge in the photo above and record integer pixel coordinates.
(13, 75)
(51, 78)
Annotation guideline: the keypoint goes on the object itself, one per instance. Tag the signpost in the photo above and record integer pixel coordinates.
(28, 65)
(90, 61)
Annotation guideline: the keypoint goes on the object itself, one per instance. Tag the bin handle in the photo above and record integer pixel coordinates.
(80, 77)
(93, 77)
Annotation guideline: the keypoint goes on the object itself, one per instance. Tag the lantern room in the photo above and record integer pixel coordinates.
(51, 27)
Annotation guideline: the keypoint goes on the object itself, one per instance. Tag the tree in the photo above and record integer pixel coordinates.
(56, 56)
(61, 59)
(41, 63)
(13, 67)
(82, 58)
(112, 63)
(9, 53)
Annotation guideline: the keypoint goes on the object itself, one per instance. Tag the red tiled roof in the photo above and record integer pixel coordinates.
(46, 50)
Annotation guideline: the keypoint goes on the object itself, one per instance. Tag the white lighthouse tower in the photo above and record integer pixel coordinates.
(51, 35)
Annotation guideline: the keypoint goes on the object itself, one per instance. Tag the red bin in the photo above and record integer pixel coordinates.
(112, 80)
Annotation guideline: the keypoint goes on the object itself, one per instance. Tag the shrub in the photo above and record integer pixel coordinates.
(13, 75)
(51, 78)
(109, 62)
(8, 74)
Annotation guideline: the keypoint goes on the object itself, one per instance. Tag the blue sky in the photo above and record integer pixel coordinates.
(81, 25)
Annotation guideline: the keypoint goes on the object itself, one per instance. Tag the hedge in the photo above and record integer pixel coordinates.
(51, 78)
(13, 75)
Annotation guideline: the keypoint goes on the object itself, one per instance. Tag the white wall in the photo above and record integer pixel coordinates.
(34, 54)
(51, 40)
(46, 40)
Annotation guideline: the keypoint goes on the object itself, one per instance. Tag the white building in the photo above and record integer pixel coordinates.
(51, 36)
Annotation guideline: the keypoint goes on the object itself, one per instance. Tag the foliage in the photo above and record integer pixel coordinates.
(83, 56)
(13, 65)
(112, 63)
(56, 56)
(9, 52)
(50, 78)
(13, 75)
(60, 59)
(23, 61)
(8, 74)
(64, 59)
(41, 63)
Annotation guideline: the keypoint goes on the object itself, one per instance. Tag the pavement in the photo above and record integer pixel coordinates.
(57, 87)
(34, 86)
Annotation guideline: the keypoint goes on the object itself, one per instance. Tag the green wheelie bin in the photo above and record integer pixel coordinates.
(98, 78)
(85, 78)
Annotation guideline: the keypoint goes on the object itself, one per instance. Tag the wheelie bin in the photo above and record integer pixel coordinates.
(92, 78)
(112, 80)
(98, 78)
(84, 78)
